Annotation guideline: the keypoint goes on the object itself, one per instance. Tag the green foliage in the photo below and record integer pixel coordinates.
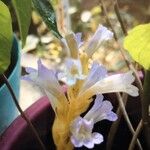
(138, 44)
(46, 11)
(6, 1)
(6, 37)
(23, 10)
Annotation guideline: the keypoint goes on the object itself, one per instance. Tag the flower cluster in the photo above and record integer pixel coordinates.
(83, 82)
(81, 128)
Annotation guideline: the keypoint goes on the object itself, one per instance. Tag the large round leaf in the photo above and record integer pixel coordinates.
(6, 37)
(138, 44)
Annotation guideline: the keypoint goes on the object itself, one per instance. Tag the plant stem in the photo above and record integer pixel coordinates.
(116, 8)
(115, 124)
(145, 108)
(121, 104)
(22, 113)
(121, 108)
(115, 35)
(146, 95)
(131, 66)
(137, 80)
(107, 18)
(63, 17)
(128, 63)
(134, 138)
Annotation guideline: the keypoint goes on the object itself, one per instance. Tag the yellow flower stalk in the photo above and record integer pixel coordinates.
(76, 106)
(69, 128)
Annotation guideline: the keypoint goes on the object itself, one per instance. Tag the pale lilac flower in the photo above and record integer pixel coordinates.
(77, 43)
(81, 128)
(47, 81)
(72, 72)
(78, 39)
(102, 34)
(98, 82)
(101, 110)
(96, 73)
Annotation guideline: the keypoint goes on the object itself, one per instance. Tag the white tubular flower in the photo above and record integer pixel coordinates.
(101, 110)
(72, 42)
(78, 39)
(81, 128)
(102, 83)
(97, 72)
(73, 71)
(102, 34)
(48, 83)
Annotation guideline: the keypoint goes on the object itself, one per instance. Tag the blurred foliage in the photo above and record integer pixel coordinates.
(6, 37)
(85, 16)
(23, 11)
(138, 44)
(6, 1)
(54, 2)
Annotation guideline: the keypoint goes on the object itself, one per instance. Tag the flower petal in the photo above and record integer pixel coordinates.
(97, 104)
(29, 77)
(88, 143)
(111, 116)
(97, 138)
(30, 70)
(88, 124)
(101, 34)
(72, 45)
(78, 122)
(75, 125)
(66, 48)
(76, 142)
(81, 133)
(53, 100)
(72, 72)
(97, 73)
(78, 39)
(101, 110)
(105, 112)
(47, 81)
(113, 83)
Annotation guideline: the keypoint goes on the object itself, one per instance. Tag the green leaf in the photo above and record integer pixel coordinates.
(46, 11)
(6, 37)
(138, 44)
(23, 10)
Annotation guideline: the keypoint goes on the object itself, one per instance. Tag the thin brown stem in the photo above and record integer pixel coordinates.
(138, 81)
(131, 66)
(144, 93)
(22, 113)
(116, 8)
(115, 124)
(121, 104)
(107, 18)
(115, 35)
(135, 136)
(145, 108)
(127, 61)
